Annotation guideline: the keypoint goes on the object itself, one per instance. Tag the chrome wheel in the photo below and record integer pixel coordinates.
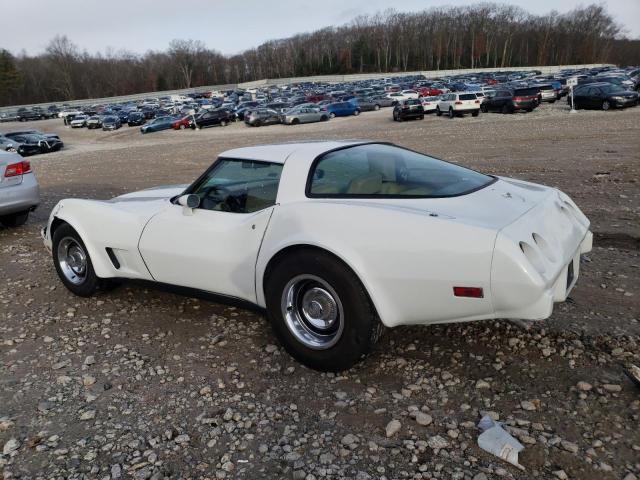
(312, 311)
(72, 260)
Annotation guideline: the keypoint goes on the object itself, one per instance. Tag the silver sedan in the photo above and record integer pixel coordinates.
(304, 115)
(19, 190)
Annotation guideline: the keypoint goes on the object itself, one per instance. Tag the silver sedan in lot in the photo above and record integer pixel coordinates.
(304, 114)
(19, 190)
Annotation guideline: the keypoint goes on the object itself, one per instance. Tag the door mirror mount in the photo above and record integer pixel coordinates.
(189, 202)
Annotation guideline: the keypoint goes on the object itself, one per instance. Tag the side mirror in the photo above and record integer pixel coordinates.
(189, 202)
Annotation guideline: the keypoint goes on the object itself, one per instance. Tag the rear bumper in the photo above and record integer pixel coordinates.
(537, 259)
(18, 198)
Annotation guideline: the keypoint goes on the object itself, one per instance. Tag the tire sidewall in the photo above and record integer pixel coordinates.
(360, 320)
(92, 282)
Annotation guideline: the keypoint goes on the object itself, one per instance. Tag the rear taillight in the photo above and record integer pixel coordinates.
(458, 102)
(17, 169)
(477, 101)
(518, 99)
(471, 292)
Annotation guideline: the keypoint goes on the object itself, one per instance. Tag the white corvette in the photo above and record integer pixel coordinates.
(335, 240)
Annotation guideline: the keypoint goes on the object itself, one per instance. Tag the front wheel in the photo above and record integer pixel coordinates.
(483, 108)
(376, 107)
(320, 311)
(356, 113)
(332, 115)
(73, 263)
(606, 105)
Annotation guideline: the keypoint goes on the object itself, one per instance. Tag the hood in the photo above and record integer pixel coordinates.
(164, 192)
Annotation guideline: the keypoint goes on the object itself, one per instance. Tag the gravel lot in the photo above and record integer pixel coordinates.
(140, 383)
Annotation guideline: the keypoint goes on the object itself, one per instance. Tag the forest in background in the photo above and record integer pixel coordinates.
(476, 36)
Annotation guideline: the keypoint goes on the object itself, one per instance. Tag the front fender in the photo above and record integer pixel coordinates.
(102, 225)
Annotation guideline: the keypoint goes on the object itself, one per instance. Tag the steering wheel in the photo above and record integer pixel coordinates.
(222, 197)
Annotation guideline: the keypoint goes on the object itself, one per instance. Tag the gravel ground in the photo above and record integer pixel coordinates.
(140, 383)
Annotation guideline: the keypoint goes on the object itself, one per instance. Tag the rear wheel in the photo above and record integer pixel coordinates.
(224, 123)
(295, 121)
(182, 126)
(376, 107)
(15, 219)
(73, 263)
(475, 113)
(332, 115)
(320, 311)
(356, 113)
(606, 105)
(483, 108)
(506, 109)
(438, 112)
(324, 118)
(451, 114)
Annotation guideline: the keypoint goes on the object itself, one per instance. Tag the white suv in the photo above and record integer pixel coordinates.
(458, 103)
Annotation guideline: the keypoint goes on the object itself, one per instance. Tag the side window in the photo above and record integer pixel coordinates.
(239, 186)
(337, 171)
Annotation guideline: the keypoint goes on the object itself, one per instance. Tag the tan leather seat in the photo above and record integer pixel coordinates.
(368, 184)
(392, 188)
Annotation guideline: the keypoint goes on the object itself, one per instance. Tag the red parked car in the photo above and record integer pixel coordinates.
(183, 123)
(429, 92)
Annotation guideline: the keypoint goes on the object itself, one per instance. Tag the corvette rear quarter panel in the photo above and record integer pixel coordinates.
(408, 261)
(102, 225)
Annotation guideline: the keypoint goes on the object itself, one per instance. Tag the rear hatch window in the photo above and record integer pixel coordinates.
(525, 92)
(468, 96)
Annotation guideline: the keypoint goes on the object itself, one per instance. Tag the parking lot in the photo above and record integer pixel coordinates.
(140, 383)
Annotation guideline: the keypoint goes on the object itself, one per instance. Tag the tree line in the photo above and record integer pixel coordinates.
(483, 35)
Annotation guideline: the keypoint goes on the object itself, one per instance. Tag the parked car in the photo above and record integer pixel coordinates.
(457, 104)
(31, 141)
(429, 104)
(158, 124)
(23, 149)
(421, 241)
(342, 109)
(547, 93)
(261, 116)
(94, 122)
(508, 101)
(34, 132)
(383, 100)
(209, 118)
(79, 121)
(25, 115)
(19, 190)
(303, 114)
(182, 123)
(136, 119)
(603, 96)
(111, 122)
(367, 104)
(408, 109)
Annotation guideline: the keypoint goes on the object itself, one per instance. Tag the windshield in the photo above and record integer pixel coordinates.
(380, 170)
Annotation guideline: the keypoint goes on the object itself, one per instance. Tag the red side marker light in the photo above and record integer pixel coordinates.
(472, 292)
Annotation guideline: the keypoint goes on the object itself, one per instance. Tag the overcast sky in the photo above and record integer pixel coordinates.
(229, 26)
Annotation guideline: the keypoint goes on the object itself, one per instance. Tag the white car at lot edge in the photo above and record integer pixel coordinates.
(335, 240)
(457, 104)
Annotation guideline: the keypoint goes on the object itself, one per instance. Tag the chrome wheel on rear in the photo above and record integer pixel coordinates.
(313, 312)
(72, 260)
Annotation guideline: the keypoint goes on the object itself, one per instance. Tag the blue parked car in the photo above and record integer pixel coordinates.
(157, 124)
(342, 109)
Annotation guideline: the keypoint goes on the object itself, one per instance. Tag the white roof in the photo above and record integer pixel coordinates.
(278, 153)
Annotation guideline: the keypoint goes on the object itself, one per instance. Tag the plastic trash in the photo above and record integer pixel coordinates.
(495, 440)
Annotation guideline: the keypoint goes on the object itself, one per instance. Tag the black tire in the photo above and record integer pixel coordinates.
(451, 114)
(438, 112)
(15, 219)
(182, 126)
(529, 110)
(91, 283)
(376, 107)
(356, 113)
(421, 117)
(361, 327)
(257, 123)
(224, 123)
(606, 105)
(506, 109)
(295, 121)
(332, 115)
(324, 118)
(552, 101)
(483, 108)
(475, 113)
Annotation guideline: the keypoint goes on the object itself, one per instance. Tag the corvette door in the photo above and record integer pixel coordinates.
(214, 247)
